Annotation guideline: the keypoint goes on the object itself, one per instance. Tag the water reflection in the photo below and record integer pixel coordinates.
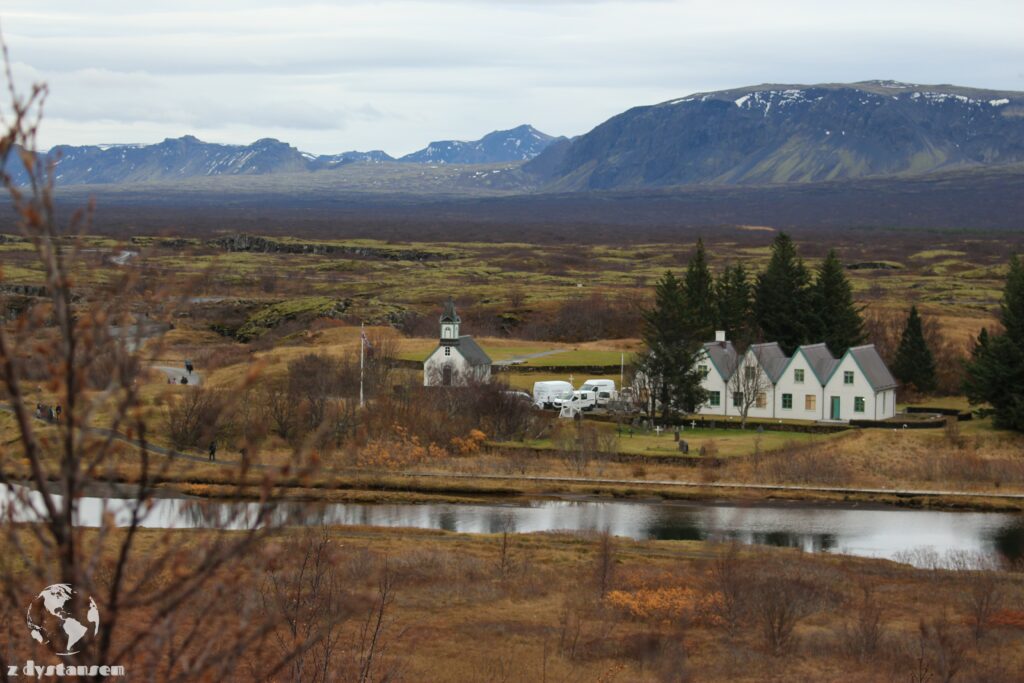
(891, 533)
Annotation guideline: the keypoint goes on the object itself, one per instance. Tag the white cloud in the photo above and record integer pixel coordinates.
(397, 74)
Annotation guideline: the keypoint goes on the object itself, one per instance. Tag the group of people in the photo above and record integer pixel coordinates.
(49, 413)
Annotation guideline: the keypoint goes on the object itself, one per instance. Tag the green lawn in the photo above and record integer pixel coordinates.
(723, 442)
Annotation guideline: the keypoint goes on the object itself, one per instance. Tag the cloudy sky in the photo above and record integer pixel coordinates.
(335, 76)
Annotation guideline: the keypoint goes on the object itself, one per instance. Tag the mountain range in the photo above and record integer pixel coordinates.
(753, 136)
(188, 157)
(770, 134)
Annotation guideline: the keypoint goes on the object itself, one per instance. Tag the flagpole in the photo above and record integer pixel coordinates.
(622, 369)
(362, 344)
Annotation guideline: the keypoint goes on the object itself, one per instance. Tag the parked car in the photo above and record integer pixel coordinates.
(545, 393)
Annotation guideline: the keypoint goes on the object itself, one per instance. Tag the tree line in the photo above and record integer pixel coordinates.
(786, 303)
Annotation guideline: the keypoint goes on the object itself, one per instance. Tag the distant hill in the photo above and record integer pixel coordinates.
(518, 144)
(187, 157)
(770, 134)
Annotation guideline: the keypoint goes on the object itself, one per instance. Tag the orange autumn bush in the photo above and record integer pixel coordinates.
(469, 444)
(665, 603)
(397, 449)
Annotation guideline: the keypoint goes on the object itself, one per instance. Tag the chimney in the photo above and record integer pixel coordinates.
(719, 335)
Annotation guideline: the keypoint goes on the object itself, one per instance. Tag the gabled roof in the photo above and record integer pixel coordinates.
(821, 360)
(472, 352)
(873, 367)
(772, 359)
(723, 357)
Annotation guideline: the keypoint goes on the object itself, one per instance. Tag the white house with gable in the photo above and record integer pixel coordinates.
(860, 387)
(800, 391)
(457, 360)
(809, 385)
(716, 362)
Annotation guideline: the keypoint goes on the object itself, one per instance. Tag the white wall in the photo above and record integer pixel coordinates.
(768, 411)
(788, 385)
(712, 382)
(847, 392)
(462, 371)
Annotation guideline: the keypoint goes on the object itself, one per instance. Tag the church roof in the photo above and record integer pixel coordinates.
(472, 352)
(448, 315)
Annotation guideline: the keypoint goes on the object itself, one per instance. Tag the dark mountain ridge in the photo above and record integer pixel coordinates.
(791, 133)
(188, 157)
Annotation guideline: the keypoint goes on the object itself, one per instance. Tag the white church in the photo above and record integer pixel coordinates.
(457, 360)
(809, 385)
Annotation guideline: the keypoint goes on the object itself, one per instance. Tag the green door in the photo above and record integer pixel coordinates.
(835, 407)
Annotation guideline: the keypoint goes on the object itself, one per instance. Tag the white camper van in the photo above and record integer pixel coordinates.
(603, 389)
(580, 400)
(546, 393)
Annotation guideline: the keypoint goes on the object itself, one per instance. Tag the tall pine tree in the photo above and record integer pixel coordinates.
(995, 373)
(840, 325)
(914, 364)
(733, 295)
(783, 302)
(699, 294)
(672, 349)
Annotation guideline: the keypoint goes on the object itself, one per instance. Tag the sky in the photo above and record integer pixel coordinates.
(329, 77)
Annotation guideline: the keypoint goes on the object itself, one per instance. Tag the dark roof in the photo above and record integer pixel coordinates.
(820, 359)
(472, 352)
(723, 357)
(772, 359)
(448, 315)
(873, 367)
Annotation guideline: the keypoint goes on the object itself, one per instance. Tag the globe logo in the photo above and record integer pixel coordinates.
(62, 619)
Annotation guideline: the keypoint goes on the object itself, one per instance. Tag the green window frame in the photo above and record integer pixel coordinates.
(848, 377)
(714, 398)
(737, 399)
(787, 401)
(798, 375)
(858, 404)
(702, 369)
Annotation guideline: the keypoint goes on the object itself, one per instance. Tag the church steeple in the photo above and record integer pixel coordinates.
(449, 323)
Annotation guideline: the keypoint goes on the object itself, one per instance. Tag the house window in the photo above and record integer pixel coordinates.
(748, 372)
(447, 350)
(762, 399)
(714, 398)
(737, 399)
(858, 404)
(810, 402)
(798, 376)
(848, 377)
(787, 401)
(702, 370)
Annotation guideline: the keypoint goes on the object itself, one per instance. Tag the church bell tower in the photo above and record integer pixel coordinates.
(449, 324)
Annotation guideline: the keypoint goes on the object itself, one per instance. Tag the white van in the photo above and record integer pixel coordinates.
(580, 400)
(546, 393)
(604, 389)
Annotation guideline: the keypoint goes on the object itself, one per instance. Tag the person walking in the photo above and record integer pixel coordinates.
(213, 450)
(188, 366)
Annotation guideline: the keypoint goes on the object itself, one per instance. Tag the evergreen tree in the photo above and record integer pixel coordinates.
(914, 363)
(783, 302)
(672, 349)
(995, 373)
(839, 323)
(699, 294)
(733, 294)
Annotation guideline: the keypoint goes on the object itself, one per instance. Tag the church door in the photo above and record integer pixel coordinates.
(446, 376)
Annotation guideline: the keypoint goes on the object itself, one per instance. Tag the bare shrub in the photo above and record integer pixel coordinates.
(862, 634)
(731, 585)
(604, 563)
(983, 597)
(784, 594)
(803, 463)
(194, 417)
